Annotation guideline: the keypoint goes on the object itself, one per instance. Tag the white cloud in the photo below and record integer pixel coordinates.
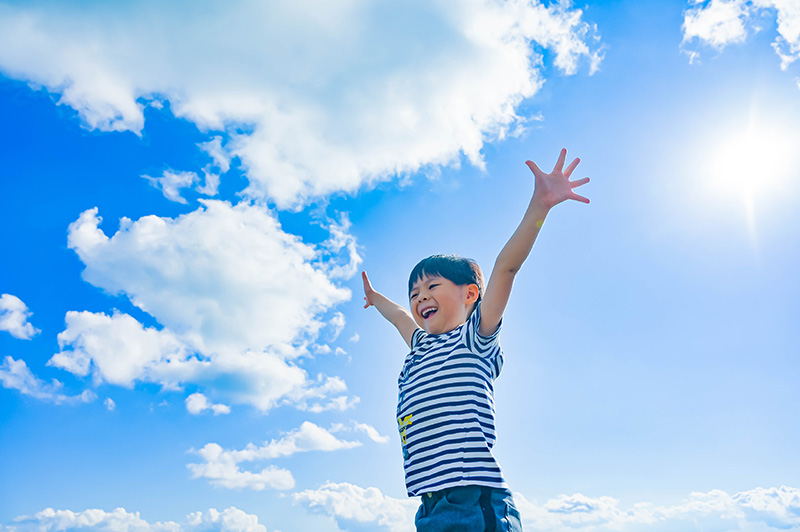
(332, 97)
(337, 324)
(229, 520)
(318, 399)
(349, 502)
(221, 158)
(120, 520)
(369, 430)
(197, 403)
(15, 375)
(321, 349)
(372, 432)
(719, 23)
(14, 316)
(171, 183)
(340, 252)
(110, 404)
(237, 298)
(212, 171)
(221, 277)
(756, 510)
(221, 470)
(221, 467)
(117, 349)
(787, 43)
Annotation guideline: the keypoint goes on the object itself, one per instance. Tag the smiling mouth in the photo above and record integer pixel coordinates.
(428, 312)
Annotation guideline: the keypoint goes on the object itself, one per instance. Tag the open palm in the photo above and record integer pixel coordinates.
(555, 187)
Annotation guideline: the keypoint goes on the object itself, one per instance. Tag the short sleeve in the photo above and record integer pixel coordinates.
(488, 347)
(417, 337)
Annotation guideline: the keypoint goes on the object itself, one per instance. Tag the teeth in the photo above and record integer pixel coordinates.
(428, 311)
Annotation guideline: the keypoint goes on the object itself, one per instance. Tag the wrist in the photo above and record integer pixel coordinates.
(538, 208)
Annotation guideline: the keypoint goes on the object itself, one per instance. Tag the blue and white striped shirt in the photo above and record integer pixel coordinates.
(445, 409)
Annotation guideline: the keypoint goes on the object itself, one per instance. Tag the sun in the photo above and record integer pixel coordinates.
(754, 162)
(753, 165)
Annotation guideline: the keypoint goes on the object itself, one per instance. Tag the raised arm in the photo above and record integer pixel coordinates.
(549, 190)
(394, 313)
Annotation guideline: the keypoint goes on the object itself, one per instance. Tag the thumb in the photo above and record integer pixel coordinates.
(535, 169)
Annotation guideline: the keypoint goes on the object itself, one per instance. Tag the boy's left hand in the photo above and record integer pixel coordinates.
(369, 292)
(555, 187)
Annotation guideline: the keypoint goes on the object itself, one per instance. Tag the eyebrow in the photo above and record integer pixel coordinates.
(423, 280)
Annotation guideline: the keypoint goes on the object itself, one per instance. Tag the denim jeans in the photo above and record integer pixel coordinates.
(468, 509)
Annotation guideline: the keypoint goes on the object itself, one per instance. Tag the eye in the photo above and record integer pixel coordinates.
(432, 286)
(413, 296)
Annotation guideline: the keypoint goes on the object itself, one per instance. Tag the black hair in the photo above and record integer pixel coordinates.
(459, 270)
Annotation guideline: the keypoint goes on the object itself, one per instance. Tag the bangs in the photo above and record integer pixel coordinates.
(459, 270)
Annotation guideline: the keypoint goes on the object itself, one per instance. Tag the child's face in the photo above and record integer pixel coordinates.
(439, 305)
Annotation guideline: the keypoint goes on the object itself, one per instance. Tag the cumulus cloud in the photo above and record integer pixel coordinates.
(237, 299)
(16, 375)
(759, 509)
(787, 43)
(110, 404)
(14, 316)
(197, 403)
(322, 98)
(719, 23)
(118, 350)
(221, 467)
(120, 520)
(348, 502)
(221, 277)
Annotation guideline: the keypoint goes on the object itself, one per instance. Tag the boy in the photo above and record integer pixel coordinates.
(445, 405)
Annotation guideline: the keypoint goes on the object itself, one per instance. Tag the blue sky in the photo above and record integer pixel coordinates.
(188, 195)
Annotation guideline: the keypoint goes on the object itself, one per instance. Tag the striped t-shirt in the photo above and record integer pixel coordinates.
(445, 409)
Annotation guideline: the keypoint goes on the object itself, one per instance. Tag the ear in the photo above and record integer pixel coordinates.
(472, 294)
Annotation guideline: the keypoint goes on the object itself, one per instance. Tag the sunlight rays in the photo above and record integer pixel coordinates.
(753, 165)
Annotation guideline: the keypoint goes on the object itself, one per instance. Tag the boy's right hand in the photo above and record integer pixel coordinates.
(555, 187)
(368, 290)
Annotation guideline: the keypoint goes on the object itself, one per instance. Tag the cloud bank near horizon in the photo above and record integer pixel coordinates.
(755, 510)
(120, 520)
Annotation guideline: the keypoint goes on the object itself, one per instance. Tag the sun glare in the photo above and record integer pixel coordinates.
(754, 162)
(753, 165)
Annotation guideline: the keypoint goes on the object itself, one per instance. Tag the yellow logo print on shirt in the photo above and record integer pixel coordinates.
(404, 422)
